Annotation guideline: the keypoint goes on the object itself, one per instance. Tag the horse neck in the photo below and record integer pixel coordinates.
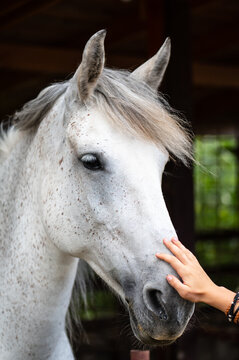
(36, 278)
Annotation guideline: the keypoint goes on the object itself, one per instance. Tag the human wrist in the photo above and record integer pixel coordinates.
(232, 312)
(219, 297)
(210, 294)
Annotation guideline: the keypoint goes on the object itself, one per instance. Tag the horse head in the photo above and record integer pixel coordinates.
(104, 182)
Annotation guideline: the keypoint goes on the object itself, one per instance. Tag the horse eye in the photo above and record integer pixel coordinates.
(91, 162)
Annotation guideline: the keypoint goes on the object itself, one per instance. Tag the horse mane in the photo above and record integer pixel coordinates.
(130, 104)
(79, 299)
(28, 117)
(34, 111)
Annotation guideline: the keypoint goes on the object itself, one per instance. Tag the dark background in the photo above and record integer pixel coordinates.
(41, 42)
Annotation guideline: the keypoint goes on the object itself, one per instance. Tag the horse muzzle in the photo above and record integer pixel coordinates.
(158, 318)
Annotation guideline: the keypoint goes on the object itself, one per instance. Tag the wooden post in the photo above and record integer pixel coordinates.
(139, 355)
(179, 89)
(172, 18)
(180, 181)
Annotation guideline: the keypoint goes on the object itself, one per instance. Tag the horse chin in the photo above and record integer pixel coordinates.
(144, 337)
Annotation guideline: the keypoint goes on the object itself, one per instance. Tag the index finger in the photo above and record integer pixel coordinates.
(176, 250)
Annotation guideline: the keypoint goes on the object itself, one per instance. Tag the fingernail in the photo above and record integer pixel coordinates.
(157, 254)
(169, 278)
(175, 240)
(165, 240)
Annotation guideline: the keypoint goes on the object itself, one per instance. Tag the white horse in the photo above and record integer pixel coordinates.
(80, 177)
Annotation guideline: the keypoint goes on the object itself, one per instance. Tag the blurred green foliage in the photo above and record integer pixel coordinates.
(101, 304)
(216, 183)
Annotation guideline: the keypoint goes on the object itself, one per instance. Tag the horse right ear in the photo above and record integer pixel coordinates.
(153, 70)
(92, 64)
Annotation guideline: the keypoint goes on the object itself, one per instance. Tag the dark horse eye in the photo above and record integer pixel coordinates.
(91, 162)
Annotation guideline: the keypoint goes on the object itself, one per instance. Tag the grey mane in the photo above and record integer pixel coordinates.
(34, 111)
(131, 104)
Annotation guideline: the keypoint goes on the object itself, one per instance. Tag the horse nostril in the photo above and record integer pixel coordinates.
(153, 302)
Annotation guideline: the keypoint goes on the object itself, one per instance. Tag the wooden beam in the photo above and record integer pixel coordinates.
(216, 112)
(8, 6)
(221, 39)
(215, 29)
(17, 11)
(155, 15)
(215, 76)
(11, 15)
(180, 183)
(52, 60)
(63, 61)
(199, 3)
(38, 59)
(117, 33)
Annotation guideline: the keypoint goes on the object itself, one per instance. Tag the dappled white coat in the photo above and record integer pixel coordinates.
(55, 210)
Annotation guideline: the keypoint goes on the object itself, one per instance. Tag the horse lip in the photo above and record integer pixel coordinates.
(142, 336)
(153, 342)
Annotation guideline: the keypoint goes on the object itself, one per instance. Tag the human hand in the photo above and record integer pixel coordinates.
(196, 285)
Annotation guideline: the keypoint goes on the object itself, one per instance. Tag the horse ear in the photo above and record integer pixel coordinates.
(152, 71)
(91, 66)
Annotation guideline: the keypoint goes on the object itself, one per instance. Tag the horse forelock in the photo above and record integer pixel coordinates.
(135, 107)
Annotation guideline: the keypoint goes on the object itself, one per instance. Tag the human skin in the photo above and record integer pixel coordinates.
(195, 285)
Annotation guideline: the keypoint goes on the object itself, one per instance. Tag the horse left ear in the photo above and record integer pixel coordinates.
(91, 66)
(152, 71)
